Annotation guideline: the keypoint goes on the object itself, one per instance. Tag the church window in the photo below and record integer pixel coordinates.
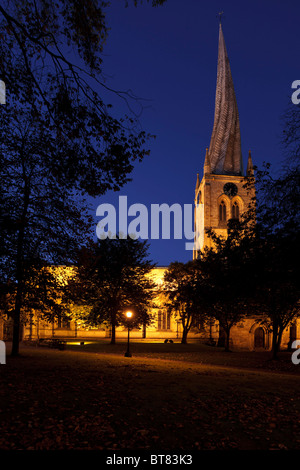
(159, 319)
(63, 323)
(163, 321)
(222, 212)
(235, 211)
(164, 325)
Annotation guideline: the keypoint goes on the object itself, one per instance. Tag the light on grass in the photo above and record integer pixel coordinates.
(77, 343)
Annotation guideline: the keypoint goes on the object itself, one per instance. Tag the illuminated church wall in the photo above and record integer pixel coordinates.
(248, 334)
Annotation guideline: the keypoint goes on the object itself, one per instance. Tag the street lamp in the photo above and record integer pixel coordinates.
(128, 315)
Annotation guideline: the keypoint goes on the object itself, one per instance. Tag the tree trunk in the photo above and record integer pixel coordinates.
(113, 333)
(19, 297)
(227, 339)
(186, 322)
(20, 273)
(184, 335)
(16, 325)
(275, 344)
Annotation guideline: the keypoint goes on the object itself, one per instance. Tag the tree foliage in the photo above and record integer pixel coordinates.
(42, 221)
(257, 267)
(59, 137)
(184, 291)
(226, 272)
(51, 62)
(113, 275)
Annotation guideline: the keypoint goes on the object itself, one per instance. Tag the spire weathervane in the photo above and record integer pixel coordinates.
(220, 16)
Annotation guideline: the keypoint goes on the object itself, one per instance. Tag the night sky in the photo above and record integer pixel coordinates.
(168, 57)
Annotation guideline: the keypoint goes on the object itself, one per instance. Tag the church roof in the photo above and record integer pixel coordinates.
(225, 155)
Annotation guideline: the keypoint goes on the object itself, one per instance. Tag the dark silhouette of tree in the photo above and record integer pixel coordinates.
(42, 221)
(113, 275)
(261, 252)
(275, 252)
(58, 47)
(225, 271)
(183, 289)
(43, 295)
(274, 277)
(59, 138)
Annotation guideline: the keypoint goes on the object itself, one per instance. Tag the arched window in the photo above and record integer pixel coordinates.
(235, 211)
(159, 319)
(61, 323)
(168, 321)
(164, 320)
(164, 324)
(222, 211)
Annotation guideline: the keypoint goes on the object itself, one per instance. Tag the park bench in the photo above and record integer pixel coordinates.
(52, 343)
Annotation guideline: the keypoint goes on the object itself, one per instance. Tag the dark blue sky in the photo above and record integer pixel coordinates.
(168, 56)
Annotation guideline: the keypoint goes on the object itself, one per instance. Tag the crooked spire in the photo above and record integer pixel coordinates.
(225, 155)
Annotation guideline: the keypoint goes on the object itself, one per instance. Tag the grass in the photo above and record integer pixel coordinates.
(165, 397)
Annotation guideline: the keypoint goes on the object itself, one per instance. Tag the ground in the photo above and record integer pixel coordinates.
(165, 397)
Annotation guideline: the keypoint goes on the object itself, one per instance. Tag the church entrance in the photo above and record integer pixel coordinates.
(259, 338)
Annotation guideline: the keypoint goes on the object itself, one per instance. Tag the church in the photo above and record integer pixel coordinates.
(219, 196)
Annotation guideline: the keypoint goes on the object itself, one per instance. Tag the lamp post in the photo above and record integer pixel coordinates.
(128, 315)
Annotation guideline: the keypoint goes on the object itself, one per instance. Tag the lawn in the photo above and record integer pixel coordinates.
(165, 397)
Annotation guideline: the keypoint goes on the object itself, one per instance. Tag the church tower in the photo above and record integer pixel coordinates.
(220, 195)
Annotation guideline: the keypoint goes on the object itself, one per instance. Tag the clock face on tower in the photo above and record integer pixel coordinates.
(230, 189)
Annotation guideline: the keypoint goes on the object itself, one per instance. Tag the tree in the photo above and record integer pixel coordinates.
(59, 139)
(112, 276)
(275, 254)
(275, 240)
(184, 297)
(268, 248)
(58, 47)
(225, 270)
(44, 294)
(41, 221)
(276, 290)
